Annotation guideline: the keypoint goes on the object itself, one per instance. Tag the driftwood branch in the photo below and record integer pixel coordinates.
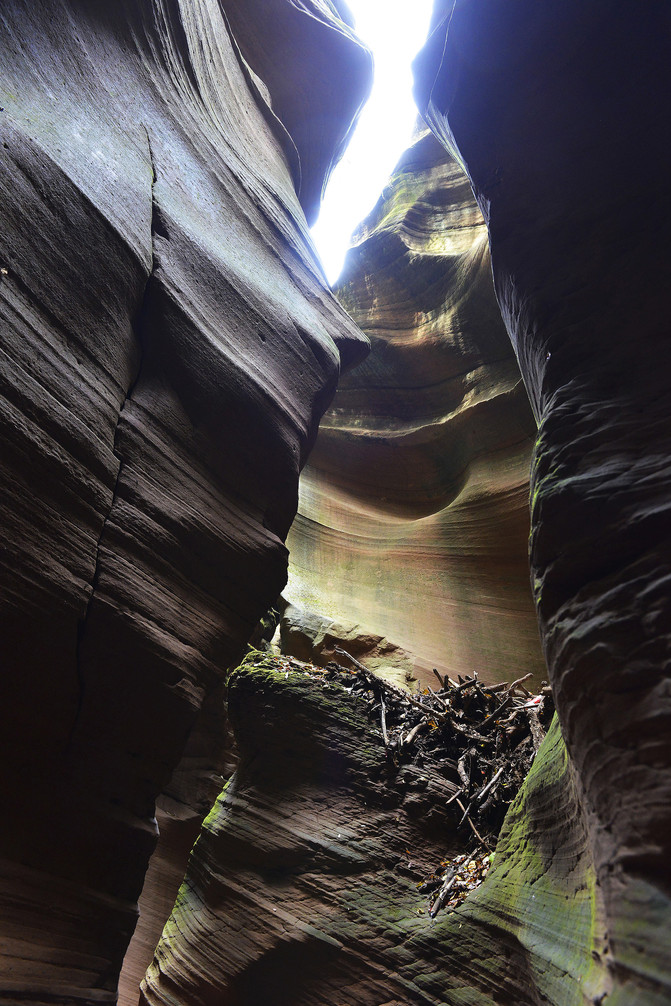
(383, 720)
(381, 683)
(519, 681)
(441, 897)
(467, 683)
(473, 828)
(407, 741)
(461, 769)
(497, 712)
(455, 796)
(485, 790)
(440, 700)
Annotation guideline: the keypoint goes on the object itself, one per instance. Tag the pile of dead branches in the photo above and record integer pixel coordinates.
(482, 738)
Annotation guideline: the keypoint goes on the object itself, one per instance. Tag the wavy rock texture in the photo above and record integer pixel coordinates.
(161, 885)
(208, 759)
(295, 48)
(302, 888)
(168, 347)
(413, 517)
(570, 159)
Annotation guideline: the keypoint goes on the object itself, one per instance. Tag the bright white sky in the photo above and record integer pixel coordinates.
(395, 30)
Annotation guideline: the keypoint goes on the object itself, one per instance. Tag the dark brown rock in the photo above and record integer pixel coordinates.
(168, 347)
(295, 48)
(559, 112)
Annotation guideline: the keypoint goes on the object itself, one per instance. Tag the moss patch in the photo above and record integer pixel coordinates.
(542, 886)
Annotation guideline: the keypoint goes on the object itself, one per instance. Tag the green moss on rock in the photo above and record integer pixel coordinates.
(542, 886)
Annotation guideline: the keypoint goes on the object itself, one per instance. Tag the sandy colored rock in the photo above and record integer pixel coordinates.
(319, 639)
(161, 886)
(413, 516)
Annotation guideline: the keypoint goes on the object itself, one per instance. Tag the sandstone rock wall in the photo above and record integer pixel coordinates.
(296, 48)
(559, 112)
(413, 515)
(305, 886)
(569, 158)
(168, 346)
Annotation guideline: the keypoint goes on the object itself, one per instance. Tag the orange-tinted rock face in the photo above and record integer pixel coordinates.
(560, 112)
(413, 518)
(169, 346)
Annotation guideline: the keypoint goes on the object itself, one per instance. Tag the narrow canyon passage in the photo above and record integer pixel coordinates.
(170, 345)
(413, 514)
(437, 563)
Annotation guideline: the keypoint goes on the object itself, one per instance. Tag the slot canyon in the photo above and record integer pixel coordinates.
(396, 732)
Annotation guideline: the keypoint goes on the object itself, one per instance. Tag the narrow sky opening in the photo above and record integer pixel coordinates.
(394, 30)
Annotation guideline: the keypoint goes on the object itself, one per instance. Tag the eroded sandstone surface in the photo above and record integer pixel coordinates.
(413, 515)
(559, 112)
(168, 346)
(576, 908)
(307, 884)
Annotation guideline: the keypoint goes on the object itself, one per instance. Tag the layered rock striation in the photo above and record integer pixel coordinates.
(569, 158)
(296, 49)
(168, 346)
(306, 886)
(413, 516)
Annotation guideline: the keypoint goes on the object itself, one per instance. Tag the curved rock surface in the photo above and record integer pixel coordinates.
(297, 48)
(317, 639)
(302, 889)
(569, 159)
(413, 515)
(168, 346)
(161, 885)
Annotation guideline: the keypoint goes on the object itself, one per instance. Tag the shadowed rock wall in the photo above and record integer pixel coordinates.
(305, 886)
(295, 48)
(559, 112)
(168, 347)
(413, 517)
(569, 157)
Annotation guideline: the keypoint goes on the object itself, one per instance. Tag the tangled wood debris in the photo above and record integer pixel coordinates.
(453, 880)
(481, 738)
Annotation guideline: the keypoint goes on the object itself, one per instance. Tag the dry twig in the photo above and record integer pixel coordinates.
(478, 751)
(475, 830)
(383, 719)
